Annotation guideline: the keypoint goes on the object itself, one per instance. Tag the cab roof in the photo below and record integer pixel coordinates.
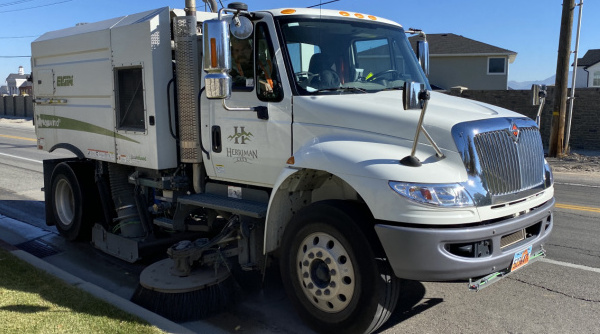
(330, 13)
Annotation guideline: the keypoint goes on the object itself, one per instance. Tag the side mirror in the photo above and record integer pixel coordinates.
(217, 59)
(539, 93)
(423, 55)
(412, 98)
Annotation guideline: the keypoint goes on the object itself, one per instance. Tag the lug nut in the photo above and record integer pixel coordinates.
(327, 292)
(311, 255)
(319, 254)
(310, 286)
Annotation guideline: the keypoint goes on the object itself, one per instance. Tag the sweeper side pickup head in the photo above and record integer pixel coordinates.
(205, 291)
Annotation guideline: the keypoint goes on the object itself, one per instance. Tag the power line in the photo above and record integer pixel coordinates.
(324, 3)
(34, 7)
(14, 3)
(15, 37)
(15, 56)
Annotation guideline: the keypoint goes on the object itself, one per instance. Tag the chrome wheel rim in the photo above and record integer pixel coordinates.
(325, 272)
(64, 201)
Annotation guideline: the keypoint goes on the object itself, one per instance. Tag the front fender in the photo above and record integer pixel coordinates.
(366, 167)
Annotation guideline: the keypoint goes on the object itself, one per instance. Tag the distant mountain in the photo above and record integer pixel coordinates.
(527, 84)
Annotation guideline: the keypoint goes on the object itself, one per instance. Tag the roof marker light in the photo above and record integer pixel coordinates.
(344, 13)
(360, 16)
(288, 11)
(374, 18)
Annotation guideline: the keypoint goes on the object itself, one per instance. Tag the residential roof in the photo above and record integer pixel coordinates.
(17, 76)
(452, 44)
(591, 57)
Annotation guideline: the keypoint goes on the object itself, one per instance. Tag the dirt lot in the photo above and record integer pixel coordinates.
(576, 163)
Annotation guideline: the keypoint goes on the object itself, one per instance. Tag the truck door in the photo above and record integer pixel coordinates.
(252, 146)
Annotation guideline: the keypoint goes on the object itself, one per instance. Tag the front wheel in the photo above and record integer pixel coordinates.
(330, 270)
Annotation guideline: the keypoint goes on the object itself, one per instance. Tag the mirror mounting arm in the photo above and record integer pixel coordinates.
(423, 97)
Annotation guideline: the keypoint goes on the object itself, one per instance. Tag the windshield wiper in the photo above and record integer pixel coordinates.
(343, 89)
(393, 88)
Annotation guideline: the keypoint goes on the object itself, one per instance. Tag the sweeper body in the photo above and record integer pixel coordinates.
(231, 139)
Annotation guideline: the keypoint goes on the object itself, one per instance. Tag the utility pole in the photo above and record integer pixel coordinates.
(559, 109)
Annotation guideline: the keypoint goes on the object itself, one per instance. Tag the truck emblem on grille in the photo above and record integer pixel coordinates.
(514, 132)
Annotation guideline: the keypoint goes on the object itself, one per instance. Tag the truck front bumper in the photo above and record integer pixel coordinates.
(451, 253)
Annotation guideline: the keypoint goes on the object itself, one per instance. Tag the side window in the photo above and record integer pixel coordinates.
(268, 85)
(130, 99)
(596, 80)
(496, 66)
(242, 69)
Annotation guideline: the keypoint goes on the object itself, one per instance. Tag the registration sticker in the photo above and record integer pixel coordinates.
(521, 259)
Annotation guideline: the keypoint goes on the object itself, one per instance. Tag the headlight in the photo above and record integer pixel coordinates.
(446, 195)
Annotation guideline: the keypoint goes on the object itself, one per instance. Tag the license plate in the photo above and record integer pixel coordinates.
(521, 259)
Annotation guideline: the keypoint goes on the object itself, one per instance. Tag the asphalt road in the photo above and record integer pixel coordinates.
(560, 294)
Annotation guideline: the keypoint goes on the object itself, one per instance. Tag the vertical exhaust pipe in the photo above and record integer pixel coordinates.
(187, 56)
(190, 7)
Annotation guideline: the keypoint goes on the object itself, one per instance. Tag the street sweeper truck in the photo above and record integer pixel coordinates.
(221, 143)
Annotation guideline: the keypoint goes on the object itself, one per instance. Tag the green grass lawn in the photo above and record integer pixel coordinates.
(32, 301)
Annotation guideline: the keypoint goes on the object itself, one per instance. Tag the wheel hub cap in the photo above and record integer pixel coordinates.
(326, 272)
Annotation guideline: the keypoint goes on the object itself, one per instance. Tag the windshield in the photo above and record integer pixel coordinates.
(348, 56)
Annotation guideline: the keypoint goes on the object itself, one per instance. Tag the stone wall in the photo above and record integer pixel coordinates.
(585, 123)
(16, 106)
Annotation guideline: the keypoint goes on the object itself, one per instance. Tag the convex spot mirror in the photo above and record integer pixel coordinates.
(539, 93)
(240, 27)
(414, 93)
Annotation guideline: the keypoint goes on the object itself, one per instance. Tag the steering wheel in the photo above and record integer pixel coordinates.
(392, 73)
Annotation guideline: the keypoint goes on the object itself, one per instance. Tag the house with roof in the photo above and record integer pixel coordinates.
(455, 60)
(15, 80)
(588, 70)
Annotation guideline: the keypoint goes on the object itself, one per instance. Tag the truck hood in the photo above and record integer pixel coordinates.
(382, 113)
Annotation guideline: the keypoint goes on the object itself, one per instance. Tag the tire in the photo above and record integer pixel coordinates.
(331, 272)
(68, 203)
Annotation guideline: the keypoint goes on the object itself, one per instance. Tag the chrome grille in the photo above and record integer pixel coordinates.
(509, 166)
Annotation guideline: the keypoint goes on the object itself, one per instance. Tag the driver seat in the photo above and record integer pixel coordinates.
(321, 64)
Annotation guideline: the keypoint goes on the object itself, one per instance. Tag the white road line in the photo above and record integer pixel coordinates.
(17, 157)
(576, 184)
(571, 265)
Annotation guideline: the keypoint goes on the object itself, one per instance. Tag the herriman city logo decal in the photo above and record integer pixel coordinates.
(241, 137)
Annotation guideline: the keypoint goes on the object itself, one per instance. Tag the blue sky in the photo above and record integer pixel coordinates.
(529, 27)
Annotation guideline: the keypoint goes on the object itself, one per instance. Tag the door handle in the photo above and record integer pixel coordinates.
(216, 139)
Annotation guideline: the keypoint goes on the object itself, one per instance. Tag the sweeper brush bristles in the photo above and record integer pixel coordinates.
(205, 291)
(187, 306)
